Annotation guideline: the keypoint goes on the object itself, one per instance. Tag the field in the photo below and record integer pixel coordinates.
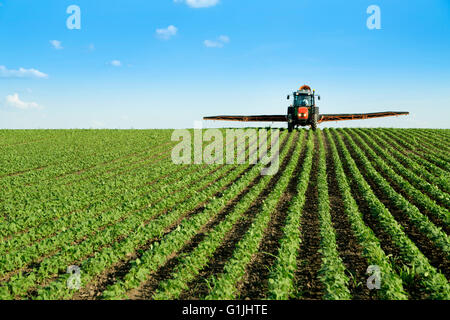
(106, 214)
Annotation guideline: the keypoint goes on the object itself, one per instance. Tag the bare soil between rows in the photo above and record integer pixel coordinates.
(348, 247)
(199, 287)
(309, 259)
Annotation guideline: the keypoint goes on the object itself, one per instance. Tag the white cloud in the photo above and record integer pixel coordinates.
(21, 73)
(56, 44)
(213, 44)
(166, 33)
(15, 102)
(91, 47)
(199, 3)
(224, 39)
(116, 63)
(219, 43)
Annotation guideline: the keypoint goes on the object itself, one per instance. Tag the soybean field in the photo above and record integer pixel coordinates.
(107, 214)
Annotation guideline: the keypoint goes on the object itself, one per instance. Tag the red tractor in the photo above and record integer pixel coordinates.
(304, 112)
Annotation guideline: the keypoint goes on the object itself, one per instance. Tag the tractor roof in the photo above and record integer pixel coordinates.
(305, 88)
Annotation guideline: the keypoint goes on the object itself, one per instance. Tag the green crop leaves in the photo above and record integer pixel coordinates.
(112, 200)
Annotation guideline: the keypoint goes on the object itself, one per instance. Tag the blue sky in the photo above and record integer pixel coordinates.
(220, 57)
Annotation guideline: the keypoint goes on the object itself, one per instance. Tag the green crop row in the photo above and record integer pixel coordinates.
(105, 258)
(420, 198)
(391, 284)
(434, 142)
(189, 266)
(105, 222)
(434, 283)
(224, 286)
(332, 271)
(51, 176)
(44, 196)
(281, 279)
(47, 231)
(423, 179)
(67, 201)
(14, 138)
(71, 152)
(429, 145)
(423, 224)
(427, 159)
(46, 212)
(63, 221)
(121, 223)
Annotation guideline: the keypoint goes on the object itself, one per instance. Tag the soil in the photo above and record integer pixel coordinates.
(349, 249)
(309, 258)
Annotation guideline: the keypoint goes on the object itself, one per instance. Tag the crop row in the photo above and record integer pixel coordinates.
(435, 234)
(120, 220)
(420, 198)
(426, 159)
(419, 146)
(391, 284)
(189, 266)
(432, 145)
(435, 187)
(107, 257)
(79, 197)
(433, 282)
(75, 151)
(225, 285)
(332, 271)
(281, 280)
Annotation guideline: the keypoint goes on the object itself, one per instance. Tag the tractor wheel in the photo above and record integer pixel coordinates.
(314, 123)
(290, 127)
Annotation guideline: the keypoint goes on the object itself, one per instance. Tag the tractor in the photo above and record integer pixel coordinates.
(303, 111)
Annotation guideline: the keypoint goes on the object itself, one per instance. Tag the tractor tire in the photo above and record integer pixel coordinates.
(314, 122)
(290, 127)
(315, 118)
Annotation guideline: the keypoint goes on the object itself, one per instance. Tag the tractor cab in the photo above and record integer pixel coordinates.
(303, 98)
(303, 110)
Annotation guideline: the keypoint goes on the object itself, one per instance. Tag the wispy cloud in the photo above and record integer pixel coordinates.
(116, 63)
(219, 43)
(224, 39)
(56, 44)
(199, 3)
(166, 33)
(15, 102)
(21, 73)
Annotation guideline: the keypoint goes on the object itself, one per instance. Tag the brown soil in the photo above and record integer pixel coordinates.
(349, 249)
(146, 290)
(199, 287)
(385, 239)
(255, 284)
(410, 199)
(309, 259)
(120, 269)
(405, 150)
(435, 255)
